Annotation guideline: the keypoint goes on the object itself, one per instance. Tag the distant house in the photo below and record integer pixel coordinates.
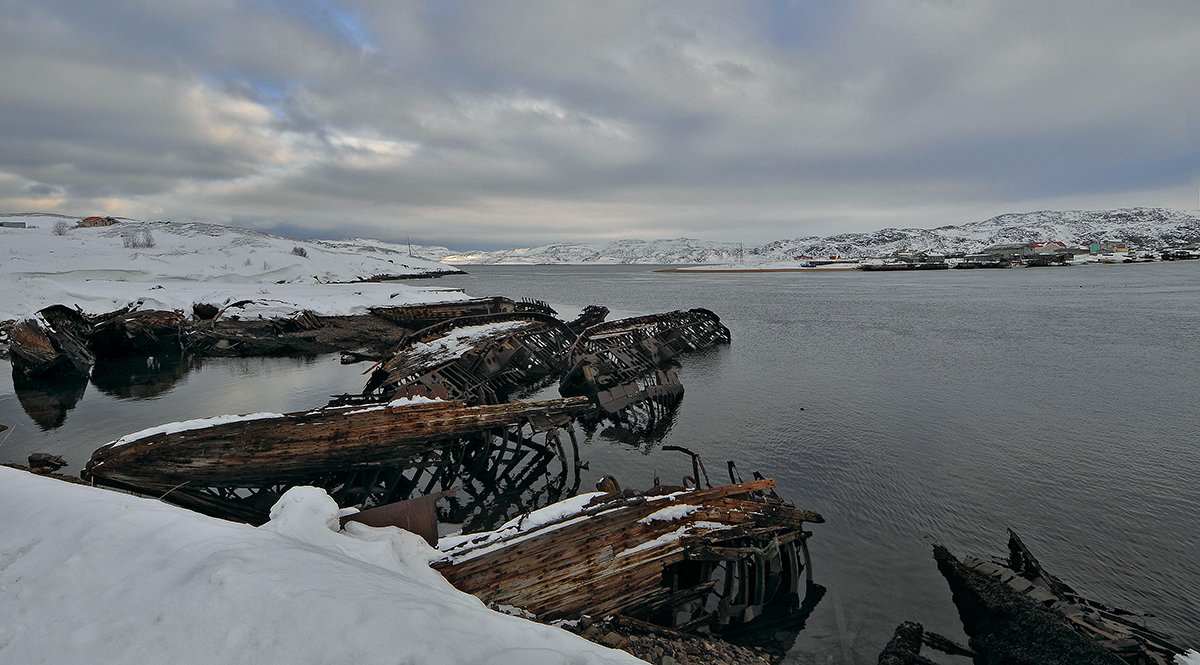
(89, 222)
(1029, 253)
(1007, 251)
(12, 225)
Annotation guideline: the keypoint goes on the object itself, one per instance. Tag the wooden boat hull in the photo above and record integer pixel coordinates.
(683, 559)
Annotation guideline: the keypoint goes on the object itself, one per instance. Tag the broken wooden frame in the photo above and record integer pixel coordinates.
(685, 559)
(59, 340)
(616, 363)
(1021, 612)
(415, 317)
(477, 359)
(498, 456)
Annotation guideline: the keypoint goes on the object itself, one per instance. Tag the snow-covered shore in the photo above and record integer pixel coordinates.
(91, 575)
(105, 268)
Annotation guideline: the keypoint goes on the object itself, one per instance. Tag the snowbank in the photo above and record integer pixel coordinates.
(95, 576)
(95, 269)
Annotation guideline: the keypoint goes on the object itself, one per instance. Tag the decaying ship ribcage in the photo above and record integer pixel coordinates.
(671, 333)
(477, 359)
(747, 576)
(502, 458)
(496, 474)
(618, 363)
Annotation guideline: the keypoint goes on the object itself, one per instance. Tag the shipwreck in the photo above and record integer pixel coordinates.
(624, 363)
(1016, 612)
(236, 467)
(688, 559)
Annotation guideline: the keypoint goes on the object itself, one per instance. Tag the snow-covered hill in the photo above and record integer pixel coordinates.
(171, 265)
(1150, 228)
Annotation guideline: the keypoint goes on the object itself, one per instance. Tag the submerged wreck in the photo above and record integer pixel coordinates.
(622, 363)
(1016, 612)
(685, 559)
(236, 467)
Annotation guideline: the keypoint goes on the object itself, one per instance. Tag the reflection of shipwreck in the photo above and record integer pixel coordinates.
(236, 467)
(688, 559)
(623, 366)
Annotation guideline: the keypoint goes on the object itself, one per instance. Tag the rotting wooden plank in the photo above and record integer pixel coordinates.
(611, 556)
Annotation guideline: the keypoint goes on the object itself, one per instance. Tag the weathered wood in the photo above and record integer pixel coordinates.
(300, 445)
(480, 365)
(620, 363)
(1021, 613)
(614, 554)
(415, 317)
(138, 332)
(905, 646)
(363, 455)
(51, 343)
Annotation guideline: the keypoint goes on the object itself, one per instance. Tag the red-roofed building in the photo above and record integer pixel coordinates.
(88, 222)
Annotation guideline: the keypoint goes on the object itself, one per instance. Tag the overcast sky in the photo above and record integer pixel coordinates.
(501, 124)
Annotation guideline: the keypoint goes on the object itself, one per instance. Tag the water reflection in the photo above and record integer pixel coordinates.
(47, 400)
(644, 424)
(779, 626)
(144, 377)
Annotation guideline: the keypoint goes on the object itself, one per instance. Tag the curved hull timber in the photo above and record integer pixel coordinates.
(362, 455)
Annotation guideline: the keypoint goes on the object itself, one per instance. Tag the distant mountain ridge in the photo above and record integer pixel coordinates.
(1149, 228)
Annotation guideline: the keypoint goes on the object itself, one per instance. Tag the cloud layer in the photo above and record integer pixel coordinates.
(489, 124)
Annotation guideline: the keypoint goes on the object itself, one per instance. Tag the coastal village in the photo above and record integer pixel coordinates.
(1009, 255)
(441, 431)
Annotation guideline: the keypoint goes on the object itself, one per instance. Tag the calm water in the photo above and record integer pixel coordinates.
(908, 409)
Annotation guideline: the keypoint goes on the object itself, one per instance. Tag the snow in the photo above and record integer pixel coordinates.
(512, 530)
(201, 263)
(1151, 228)
(669, 513)
(1192, 657)
(461, 340)
(90, 575)
(185, 425)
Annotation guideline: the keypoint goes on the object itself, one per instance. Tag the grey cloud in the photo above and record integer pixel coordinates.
(493, 122)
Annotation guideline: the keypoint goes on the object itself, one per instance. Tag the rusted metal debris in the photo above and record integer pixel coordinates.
(477, 359)
(417, 515)
(1019, 613)
(617, 363)
(362, 455)
(682, 558)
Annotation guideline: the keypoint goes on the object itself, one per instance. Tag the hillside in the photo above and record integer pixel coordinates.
(1150, 228)
(171, 265)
